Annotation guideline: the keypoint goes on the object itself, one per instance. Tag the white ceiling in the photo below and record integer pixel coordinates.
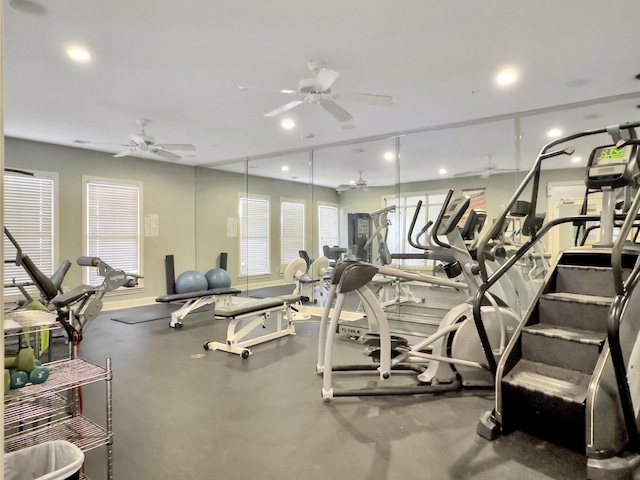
(180, 65)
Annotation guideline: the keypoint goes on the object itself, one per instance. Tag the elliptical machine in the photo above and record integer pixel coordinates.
(447, 360)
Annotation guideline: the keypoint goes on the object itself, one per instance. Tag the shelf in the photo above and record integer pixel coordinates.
(64, 375)
(79, 430)
(27, 413)
(15, 322)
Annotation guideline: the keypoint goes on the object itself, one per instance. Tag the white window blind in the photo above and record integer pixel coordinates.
(112, 226)
(29, 216)
(254, 236)
(292, 230)
(327, 226)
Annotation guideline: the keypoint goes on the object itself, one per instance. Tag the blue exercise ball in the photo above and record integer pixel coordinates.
(191, 281)
(218, 278)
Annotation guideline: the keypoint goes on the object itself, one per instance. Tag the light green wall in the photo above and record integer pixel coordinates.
(499, 190)
(193, 205)
(167, 191)
(217, 194)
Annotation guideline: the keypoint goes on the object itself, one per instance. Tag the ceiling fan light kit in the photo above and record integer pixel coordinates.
(360, 184)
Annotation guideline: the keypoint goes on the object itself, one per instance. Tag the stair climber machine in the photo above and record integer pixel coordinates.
(447, 360)
(571, 372)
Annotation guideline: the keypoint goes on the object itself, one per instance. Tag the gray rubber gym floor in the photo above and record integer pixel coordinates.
(180, 412)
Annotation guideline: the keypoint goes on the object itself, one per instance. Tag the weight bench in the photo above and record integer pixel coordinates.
(255, 312)
(194, 300)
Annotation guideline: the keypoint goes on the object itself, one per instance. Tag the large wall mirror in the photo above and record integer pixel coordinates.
(357, 176)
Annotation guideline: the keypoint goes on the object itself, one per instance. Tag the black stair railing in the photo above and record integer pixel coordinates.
(624, 290)
(532, 177)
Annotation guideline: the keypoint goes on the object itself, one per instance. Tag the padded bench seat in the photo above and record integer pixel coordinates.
(253, 305)
(178, 297)
(251, 316)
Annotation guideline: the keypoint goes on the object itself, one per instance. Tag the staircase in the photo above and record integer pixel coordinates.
(546, 378)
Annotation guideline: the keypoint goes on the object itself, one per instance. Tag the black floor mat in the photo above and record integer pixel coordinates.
(145, 313)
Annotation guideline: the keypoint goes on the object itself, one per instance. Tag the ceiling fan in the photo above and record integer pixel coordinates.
(317, 90)
(360, 184)
(141, 142)
(486, 170)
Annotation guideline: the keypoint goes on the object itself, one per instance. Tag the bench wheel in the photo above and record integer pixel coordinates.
(206, 346)
(245, 353)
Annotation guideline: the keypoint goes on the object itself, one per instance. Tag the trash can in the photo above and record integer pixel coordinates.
(55, 460)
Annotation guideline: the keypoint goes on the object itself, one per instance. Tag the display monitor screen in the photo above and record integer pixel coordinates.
(611, 156)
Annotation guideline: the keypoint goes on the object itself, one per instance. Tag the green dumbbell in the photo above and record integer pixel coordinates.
(39, 374)
(9, 362)
(18, 379)
(25, 361)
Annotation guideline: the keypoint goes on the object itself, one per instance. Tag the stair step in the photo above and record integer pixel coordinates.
(564, 347)
(583, 312)
(550, 381)
(587, 280)
(579, 298)
(567, 333)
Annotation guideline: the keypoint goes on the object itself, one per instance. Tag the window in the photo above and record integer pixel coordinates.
(327, 226)
(112, 225)
(29, 216)
(401, 220)
(254, 235)
(292, 230)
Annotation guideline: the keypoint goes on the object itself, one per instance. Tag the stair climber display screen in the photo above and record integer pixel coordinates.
(610, 166)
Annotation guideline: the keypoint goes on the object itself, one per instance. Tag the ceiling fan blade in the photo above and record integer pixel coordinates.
(86, 142)
(283, 108)
(21, 172)
(175, 146)
(126, 153)
(336, 110)
(284, 91)
(344, 187)
(367, 98)
(324, 79)
(164, 154)
(27, 6)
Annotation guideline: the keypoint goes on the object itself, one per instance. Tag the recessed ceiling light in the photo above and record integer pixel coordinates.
(284, 168)
(576, 159)
(507, 77)
(442, 171)
(554, 133)
(389, 155)
(287, 123)
(78, 54)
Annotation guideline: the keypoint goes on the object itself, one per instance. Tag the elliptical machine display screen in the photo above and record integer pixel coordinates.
(612, 167)
(453, 214)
